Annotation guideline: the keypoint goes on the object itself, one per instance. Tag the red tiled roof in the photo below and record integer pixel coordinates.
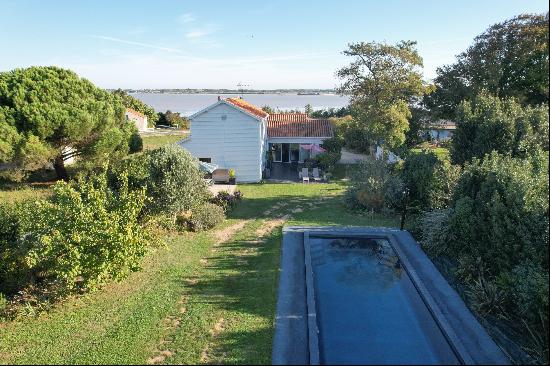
(297, 125)
(133, 111)
(241, 103)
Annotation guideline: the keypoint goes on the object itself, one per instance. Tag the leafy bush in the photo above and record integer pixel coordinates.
(395, 193)
(170, 176)
(430, 179)
(205, 216)
(487, 123)
(369, 185)
(226, 200)
(136, 143)
(497, 230)
(328, 160)
(333, 144)
(81, 238)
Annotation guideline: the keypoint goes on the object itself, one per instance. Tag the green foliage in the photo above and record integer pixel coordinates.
(383, 80)
(81, 238)
(173, 119)
(369, 184)
(510, 59)
(170, 176)
(136, 143)
(395, 193)
(46, 110)
(268, 109)
(497, 230)
(137, 105)
(333, 144)
(205, 216)
(351, 134)
(330, 113)
(227, 200)
(328, 160)
(430, 179)
(488, 124)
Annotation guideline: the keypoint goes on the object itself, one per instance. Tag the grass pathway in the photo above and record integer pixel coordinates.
(205, 298)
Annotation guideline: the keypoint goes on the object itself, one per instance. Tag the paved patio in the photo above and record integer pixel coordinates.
(216, 188)
(285, 172)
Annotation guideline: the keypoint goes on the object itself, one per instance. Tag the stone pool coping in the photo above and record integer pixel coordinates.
(294, 324)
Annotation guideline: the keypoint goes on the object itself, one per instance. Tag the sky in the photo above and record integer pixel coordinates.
(220, 44)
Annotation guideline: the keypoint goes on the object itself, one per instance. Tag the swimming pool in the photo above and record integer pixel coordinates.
(370, 296)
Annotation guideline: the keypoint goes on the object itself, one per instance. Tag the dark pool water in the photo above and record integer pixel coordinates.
(368, 310)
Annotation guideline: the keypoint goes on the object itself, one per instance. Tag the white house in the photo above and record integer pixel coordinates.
(138, 118)
(234, 134)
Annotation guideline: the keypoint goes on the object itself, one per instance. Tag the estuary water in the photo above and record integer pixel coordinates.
(187, 104)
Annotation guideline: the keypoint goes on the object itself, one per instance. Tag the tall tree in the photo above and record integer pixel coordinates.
(487, 123)
(383, 80)
(51, 114)
(510, 59)
(136, 104)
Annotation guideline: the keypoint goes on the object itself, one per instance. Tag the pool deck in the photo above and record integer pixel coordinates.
(291, 344)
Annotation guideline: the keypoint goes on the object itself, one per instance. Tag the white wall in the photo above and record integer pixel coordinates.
(235, 142)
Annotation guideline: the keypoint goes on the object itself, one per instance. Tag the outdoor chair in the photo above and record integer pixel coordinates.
(305, 175)
(316, 175)
(220, 176)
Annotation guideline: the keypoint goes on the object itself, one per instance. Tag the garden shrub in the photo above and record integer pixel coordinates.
(497, 231)
(205, 216)
(328, 160)
(226, 200)
(171, 177)
(81, 238)
(333, 144)
(395, 193)
(369, 184)
(430, 179)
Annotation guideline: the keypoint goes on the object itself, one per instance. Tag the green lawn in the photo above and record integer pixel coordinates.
(152, 142)
(440, 151)
(197, 300)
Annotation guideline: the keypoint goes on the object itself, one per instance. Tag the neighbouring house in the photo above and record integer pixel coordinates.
(234, 134)
(440, 130)
(138, 118)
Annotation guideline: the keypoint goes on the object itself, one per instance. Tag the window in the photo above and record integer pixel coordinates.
(205, 160)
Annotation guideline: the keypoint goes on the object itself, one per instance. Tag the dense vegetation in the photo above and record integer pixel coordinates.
(172, 119)
(508, 60)
(486, 123)
(383, 80)
(137, 105)
(81, 237)
(480, 212)
(97, 229)
(48, 115)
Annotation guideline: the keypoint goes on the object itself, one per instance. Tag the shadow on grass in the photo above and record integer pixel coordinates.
(243, 273)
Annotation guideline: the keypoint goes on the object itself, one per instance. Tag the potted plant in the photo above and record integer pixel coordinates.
(232, 176)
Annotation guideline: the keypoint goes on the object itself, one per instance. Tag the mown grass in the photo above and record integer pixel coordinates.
(153, 142)
(197, 301)
(439, 151)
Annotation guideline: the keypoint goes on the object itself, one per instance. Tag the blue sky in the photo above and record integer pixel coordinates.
(210, 44)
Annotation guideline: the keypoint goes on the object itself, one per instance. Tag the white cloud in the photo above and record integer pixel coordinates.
(140, 44)
(186, 18)
(196, 34)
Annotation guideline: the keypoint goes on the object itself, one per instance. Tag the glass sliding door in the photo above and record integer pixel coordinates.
(276, 152)
(286, 153)
(294, 152)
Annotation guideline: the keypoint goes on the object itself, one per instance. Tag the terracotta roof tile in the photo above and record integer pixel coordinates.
(133, 111)
(241, 103)
(297, 125)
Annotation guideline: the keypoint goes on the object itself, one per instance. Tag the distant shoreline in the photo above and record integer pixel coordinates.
(230, 91)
